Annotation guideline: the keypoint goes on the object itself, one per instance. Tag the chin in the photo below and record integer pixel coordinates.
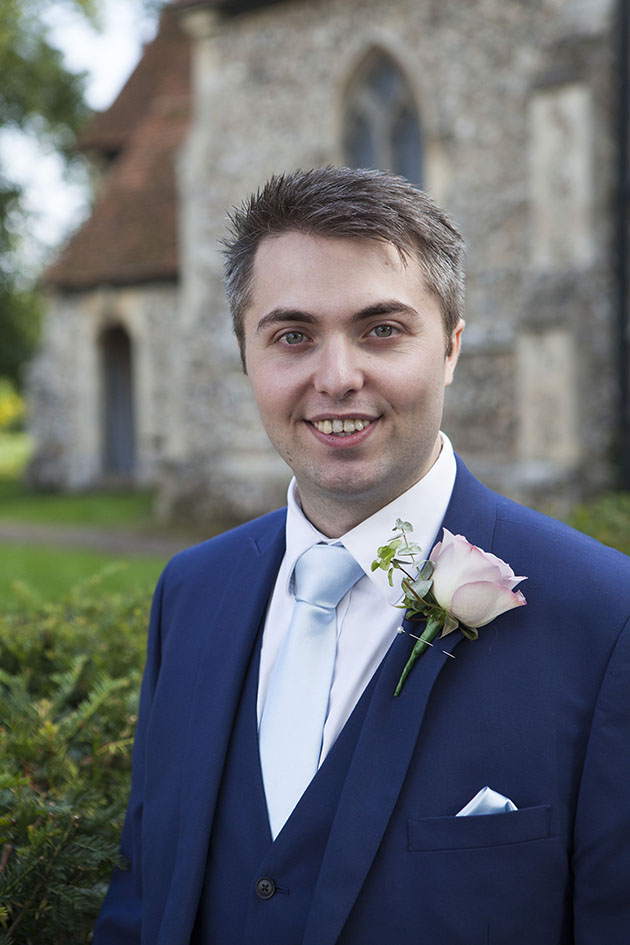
(352, 487)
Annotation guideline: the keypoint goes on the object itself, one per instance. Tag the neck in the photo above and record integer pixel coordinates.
(334, 519)
(333, 516)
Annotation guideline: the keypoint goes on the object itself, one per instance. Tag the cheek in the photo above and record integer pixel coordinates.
(416, 389)
(274, 395)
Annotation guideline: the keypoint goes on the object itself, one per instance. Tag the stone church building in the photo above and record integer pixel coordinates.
(510, 113)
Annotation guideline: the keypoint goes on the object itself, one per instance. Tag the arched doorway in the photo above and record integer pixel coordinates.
(118, 411)
(381, 125)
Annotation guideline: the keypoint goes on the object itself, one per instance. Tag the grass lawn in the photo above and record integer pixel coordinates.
(46, 573)
(49, 572)
(131, 510)
(102, 509)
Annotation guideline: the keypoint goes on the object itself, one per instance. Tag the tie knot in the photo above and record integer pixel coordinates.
(324, 574)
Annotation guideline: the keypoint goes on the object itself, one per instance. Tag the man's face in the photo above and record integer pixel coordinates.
(345, 351)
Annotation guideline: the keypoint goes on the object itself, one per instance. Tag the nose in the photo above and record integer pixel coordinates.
(337, 371)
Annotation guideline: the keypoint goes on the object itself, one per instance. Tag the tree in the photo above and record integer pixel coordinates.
(39, 96)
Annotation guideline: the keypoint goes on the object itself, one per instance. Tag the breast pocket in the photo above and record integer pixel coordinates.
(431, 834)
(496, 879)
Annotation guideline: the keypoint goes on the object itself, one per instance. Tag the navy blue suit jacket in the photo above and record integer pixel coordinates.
(538, 708)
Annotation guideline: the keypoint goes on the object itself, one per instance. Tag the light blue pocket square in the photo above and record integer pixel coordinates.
(487, 801)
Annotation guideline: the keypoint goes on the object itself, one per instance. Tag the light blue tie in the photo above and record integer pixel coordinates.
(292, 723)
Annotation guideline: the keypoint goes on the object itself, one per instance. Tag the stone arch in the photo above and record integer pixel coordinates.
(118, 411)
(381, 126)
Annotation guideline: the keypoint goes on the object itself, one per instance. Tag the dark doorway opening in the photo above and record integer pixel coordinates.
(119, 435)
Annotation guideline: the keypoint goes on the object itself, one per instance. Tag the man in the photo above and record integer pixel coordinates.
(346, 293)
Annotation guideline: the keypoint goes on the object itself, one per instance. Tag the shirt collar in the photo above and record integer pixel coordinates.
(424, 505)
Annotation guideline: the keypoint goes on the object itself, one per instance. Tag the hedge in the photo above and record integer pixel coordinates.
(69, 681)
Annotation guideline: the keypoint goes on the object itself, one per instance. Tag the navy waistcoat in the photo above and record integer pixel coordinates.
(258, 892)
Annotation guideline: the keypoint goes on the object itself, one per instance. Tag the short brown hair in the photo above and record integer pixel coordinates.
(345, 202)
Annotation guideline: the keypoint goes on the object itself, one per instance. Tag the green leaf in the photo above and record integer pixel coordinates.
(426, 570)
(421, 586)
(450, 624)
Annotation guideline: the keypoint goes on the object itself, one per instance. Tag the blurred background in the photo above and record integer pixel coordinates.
(60, 62)
(129, 127)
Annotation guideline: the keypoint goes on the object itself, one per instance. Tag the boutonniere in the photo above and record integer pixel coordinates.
(459, 585)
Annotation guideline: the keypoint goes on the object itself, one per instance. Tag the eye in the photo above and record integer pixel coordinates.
(293, 338)
(383, 331)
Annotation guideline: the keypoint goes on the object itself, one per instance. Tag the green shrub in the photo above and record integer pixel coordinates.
(606, 518)
(15, 450)
(11, 406)
(69, 681)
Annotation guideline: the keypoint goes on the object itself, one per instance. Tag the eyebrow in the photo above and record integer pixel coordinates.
(278, 316)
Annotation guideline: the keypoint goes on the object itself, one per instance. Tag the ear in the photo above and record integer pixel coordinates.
(452, 357)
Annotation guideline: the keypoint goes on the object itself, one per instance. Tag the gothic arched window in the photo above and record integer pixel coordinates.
(381, 126)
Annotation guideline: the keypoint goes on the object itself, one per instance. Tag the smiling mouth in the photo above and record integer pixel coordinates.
(338, 427)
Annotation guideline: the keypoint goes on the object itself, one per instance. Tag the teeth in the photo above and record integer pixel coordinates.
(340, 427)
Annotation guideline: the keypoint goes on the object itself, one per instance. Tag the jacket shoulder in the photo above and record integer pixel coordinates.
(523, 529)
(551, 537)
(263, 532)
(569, 568)
(574, 577)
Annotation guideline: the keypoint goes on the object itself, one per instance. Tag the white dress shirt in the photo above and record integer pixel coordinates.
(367, 621)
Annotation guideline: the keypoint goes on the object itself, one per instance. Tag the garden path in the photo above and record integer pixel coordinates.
(114, 541)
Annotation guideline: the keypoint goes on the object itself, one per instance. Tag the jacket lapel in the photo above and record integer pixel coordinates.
(387, 741)
(217, 690)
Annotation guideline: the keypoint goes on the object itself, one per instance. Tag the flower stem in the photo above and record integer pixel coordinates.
(431, 630)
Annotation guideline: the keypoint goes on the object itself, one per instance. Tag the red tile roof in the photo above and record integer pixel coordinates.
(131, 235)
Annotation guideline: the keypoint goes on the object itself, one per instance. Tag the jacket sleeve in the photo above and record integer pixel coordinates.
(601, 859)
(120, 919)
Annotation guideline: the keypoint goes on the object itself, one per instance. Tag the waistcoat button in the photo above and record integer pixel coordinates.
(265, 888)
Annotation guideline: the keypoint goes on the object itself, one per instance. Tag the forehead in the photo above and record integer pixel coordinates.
(297, 269)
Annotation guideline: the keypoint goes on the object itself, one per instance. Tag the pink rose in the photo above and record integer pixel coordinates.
(472, 585)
